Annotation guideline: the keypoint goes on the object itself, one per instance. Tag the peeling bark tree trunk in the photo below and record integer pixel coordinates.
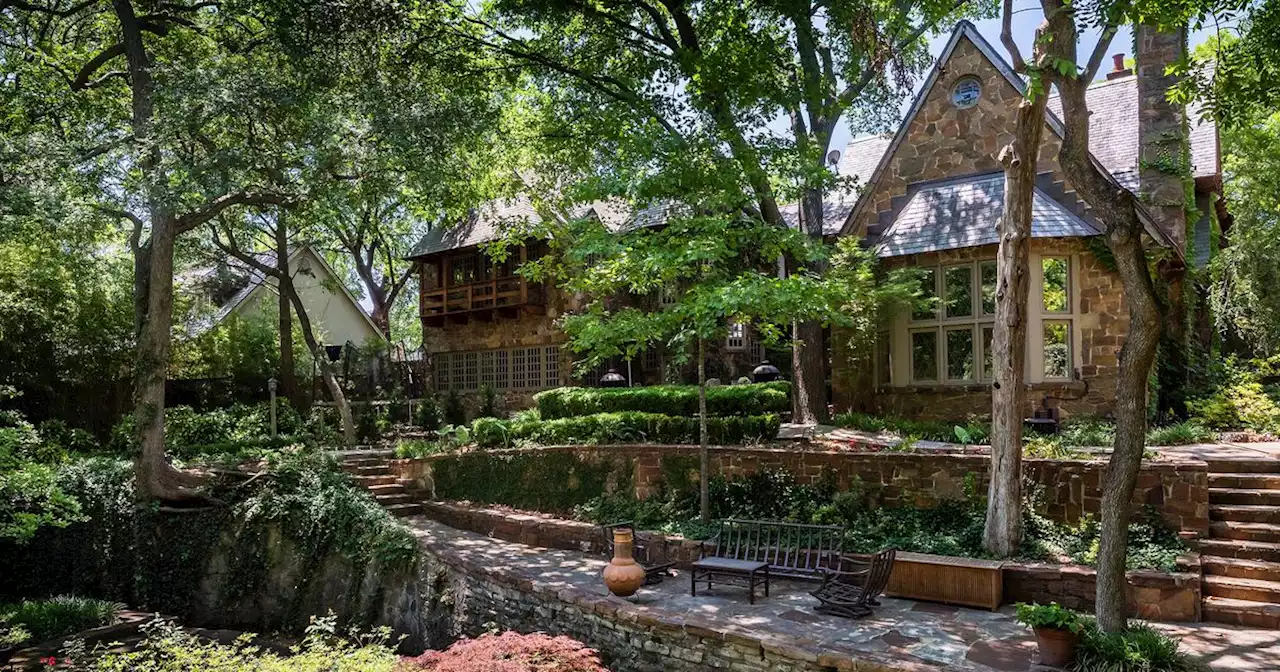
(704, 453)
(1003, 532)
(288, 379)
(1117, 209)
(322, 362)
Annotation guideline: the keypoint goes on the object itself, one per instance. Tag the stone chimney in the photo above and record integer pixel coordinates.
(1117, 69)
(1162, 131)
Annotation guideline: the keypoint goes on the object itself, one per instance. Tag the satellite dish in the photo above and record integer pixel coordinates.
(833, 157)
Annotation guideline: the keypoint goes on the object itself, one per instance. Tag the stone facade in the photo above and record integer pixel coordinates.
(943, 141)
(1069, 489)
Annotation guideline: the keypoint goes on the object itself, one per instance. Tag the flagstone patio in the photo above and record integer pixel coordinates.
(902, 634)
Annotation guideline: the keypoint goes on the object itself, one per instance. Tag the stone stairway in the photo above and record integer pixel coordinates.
(374, 473)
(1241, 556)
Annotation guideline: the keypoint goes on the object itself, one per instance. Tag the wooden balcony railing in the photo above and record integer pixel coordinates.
(508, 292)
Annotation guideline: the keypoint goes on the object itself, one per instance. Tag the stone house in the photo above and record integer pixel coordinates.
(930, 197)
(933, 196)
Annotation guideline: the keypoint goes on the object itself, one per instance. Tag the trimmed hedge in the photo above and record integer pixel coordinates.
(625, 427)
(676, 400)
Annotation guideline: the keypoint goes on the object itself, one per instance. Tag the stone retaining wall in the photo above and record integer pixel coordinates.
(1157, 596)
(1070, 489)
(463, 597)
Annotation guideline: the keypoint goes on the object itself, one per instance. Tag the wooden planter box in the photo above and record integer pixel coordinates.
(943, 578)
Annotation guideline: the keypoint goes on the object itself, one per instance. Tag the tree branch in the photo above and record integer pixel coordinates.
(1006, 37)
(82, 78)
(1099, 52)
(211, 209)
(42, 9)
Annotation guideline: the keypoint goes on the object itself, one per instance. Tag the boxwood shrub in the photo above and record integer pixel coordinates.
(675, 400)
(623, 427)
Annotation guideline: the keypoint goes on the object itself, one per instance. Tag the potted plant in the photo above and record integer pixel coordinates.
(1057, 631)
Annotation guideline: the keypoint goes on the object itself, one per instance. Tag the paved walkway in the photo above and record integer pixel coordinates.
(926, 634)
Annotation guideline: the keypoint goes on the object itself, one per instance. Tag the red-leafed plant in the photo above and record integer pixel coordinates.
(511, 652)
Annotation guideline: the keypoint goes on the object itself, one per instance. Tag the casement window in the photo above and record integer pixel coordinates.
(505, 369)
(947, 337)
(736, 341)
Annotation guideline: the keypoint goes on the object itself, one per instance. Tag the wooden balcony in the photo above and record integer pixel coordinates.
(500, 297)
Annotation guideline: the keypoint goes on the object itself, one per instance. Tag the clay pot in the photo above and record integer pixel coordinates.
(1057, 647)
(623, 576)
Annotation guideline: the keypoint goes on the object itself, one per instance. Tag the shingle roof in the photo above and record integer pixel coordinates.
(482, 226)
(966, 213)
(1113, 130)
(862, 155)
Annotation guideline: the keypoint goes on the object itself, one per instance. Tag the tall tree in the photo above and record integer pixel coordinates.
(664, 79)
(1002, 534)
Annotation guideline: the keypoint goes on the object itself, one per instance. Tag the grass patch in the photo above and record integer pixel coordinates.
(31, 621)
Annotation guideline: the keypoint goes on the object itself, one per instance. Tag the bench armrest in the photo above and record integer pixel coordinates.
(706, 544)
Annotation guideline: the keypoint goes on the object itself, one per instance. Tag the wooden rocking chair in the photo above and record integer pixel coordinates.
(851, 592)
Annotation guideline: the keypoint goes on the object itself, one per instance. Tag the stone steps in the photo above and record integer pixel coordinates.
(1245, 481)
(1243, 466)
(394, 499)
(403, 510)
(1240, 569)
(1245, 513)
(1241, 612)
(1251, 590)
(374, 481)
(1244, 496)
(1232, 529)
(1244, 550)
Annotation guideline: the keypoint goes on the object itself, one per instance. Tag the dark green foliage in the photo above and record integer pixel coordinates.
(769, 495)
(624, 427)
(1140, 648)
(427, 413)
(967, 431)
(455, 409)
(156, 560)
(238, 430)
(368, 428)
(58, 616)
(546, 481)
(1052, 615)
(1180, 434)
(676, 400)
(488, 402)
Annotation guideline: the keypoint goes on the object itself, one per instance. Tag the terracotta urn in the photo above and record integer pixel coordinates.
(623, 575)
(1057, 646)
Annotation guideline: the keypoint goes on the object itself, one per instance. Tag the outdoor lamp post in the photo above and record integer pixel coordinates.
(271, 387)
(765, 373)
(612, 379)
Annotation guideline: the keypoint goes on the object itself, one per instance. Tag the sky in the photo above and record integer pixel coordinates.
(1026, 17)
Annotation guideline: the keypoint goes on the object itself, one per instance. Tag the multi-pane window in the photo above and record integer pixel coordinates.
(953, 323)
(505, 369)
(737, 339)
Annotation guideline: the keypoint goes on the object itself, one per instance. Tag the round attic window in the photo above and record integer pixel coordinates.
(966, 92)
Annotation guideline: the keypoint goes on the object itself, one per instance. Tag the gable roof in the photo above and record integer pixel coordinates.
(964, 212)
(1113, 130)
(966, 30)
(253, 281)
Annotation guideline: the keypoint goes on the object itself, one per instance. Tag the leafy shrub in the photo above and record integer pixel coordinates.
(1238, 405)
(1179, 434)
(673, 400)
(1052, 615)
(511, 652)
(624, 427)
(168, 648)
(367, 426)
(70, 440)
(971, 431)
(20, 441)
(236, 429)
(1086, 432)
(455, 410)
(488, 402)
(31, 498)
(1140, 648)
(58, 616)
(447, 439)
(427, 413)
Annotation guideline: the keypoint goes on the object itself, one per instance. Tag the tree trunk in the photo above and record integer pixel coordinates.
(1117, 209)
(704, 453)
(322, 363)
(288, 377)
(1003, 532)
(156, 478)
(808, 348)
